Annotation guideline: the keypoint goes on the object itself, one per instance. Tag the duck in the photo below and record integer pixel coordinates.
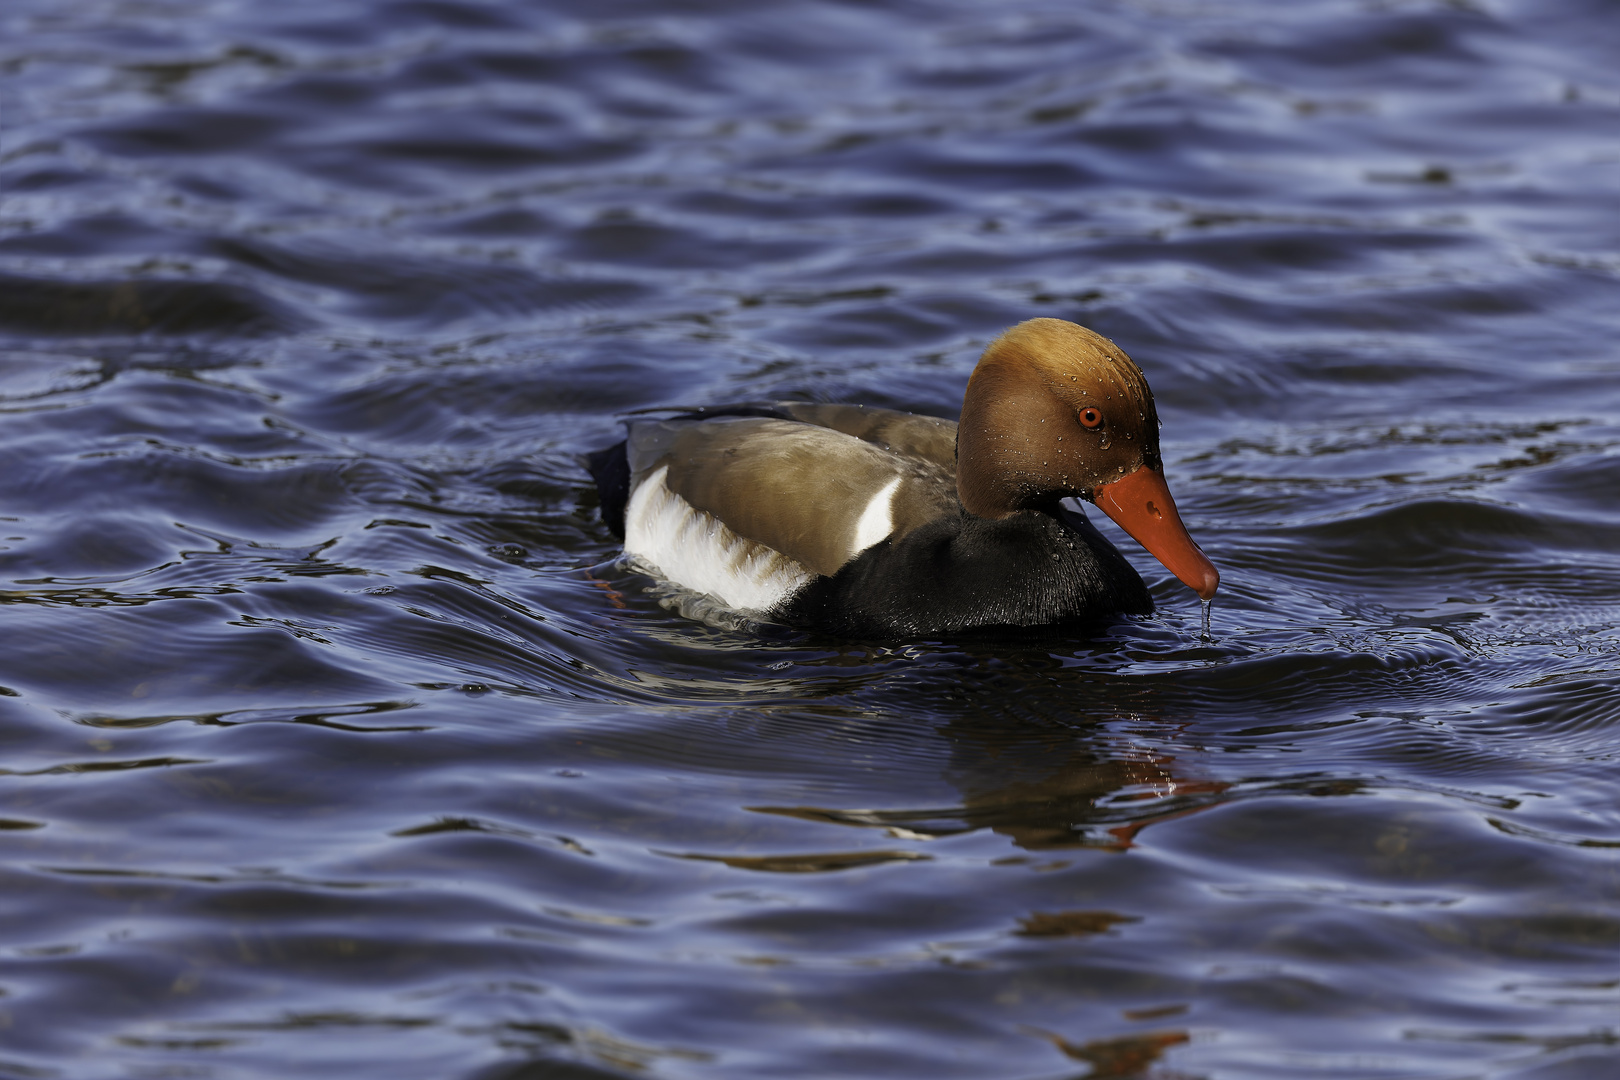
(865, 522)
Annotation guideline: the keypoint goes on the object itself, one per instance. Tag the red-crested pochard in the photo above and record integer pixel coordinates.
(869, 522)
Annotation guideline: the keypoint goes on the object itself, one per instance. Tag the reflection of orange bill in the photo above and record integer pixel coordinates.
(1141, 505)
(613, 595)
(1126, 834)
(1123, 1055)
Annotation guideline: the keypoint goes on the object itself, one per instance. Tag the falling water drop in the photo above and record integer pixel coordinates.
(1208, 604)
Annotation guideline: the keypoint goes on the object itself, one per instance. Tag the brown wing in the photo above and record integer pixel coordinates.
(907, 434)
(798, 488)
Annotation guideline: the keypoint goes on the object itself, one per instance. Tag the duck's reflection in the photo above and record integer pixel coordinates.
(1057, 788)
(1045, 787)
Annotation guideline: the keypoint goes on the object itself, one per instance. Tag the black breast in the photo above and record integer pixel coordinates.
(963, 572)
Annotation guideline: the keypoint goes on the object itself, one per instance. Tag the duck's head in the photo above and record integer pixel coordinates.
(1054, 410)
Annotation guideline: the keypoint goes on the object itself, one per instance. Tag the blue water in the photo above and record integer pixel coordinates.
(336, 739)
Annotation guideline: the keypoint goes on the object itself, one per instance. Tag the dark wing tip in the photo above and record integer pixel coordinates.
(610, 468)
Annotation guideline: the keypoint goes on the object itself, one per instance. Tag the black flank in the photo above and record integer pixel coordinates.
(962, 572)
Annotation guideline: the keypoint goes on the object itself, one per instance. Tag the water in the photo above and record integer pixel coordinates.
(337, 742)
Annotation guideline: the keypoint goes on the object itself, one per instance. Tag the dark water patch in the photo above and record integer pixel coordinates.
(505, 149)
(618, 237)
(34, 306)
(1429, 535)
(771, 203)
(188, 131)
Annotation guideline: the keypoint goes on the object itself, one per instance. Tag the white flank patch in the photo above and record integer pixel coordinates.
(697, 550)
(877, 520)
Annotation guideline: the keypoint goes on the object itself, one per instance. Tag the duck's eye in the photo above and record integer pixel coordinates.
(1090, 417)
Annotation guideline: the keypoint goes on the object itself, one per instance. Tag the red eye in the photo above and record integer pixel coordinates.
(1090, 417)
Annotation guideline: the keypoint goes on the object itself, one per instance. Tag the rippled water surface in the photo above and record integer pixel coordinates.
(337, 742)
